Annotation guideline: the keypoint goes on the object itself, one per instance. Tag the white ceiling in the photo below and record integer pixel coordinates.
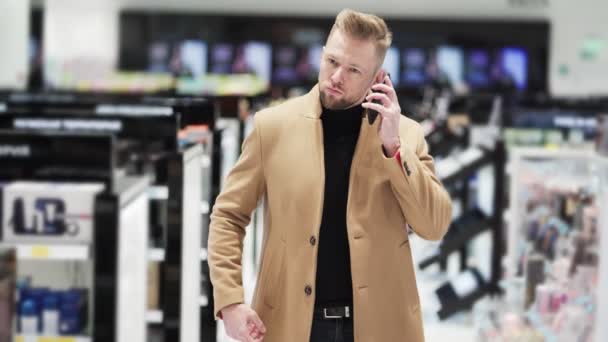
(389, 8)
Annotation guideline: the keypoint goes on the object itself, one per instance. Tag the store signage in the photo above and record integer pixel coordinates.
(51, 98)
(68, 124)
(15, 151)
(130, 110)
(574, 122)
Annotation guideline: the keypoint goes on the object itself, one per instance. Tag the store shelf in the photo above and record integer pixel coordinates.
(50, 252)
(205, 207)
(461, 232)
(156, 254)
(154, 317)
(203, 301)
(34, 338)
(466, 165)
(206, 161)
(158, 192)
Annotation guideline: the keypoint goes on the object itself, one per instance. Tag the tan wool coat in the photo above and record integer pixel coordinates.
(282, 162)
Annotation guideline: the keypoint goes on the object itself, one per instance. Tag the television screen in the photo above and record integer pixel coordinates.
(159, 55)
(193, 58)
(254, 58)
(391, 64)
(413, 67)
(315, 53)
(512, 64)
(450, 60)
(284, 68)
(295, 65)
(478, 68)
(248, 58)
(221, 58)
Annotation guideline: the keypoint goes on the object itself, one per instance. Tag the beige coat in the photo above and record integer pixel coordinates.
(282, 161)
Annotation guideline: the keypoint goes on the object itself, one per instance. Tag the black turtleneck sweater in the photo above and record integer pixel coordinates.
(334, 280)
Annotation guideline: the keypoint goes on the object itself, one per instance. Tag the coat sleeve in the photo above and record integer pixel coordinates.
(243, 188)
(424, 201)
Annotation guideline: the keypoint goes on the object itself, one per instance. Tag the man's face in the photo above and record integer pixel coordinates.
(349, 67)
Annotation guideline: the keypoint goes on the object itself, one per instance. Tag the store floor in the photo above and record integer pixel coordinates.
(457, 328)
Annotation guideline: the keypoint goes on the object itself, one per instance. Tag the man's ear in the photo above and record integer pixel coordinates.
(380, 76)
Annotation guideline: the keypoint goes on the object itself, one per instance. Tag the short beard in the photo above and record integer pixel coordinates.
(337, 105)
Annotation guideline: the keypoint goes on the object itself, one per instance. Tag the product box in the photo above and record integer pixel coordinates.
(45, 212)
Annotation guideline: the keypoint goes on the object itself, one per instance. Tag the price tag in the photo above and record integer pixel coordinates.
(40, 252)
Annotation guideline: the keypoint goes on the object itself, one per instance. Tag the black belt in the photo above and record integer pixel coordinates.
(334, 312)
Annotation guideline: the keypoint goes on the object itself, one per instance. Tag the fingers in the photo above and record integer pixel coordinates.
(375, 106)
(379, 97)
(255, 319)
(389, 82)
(386, 88)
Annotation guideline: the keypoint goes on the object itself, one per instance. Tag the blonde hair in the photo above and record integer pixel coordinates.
(366, 27)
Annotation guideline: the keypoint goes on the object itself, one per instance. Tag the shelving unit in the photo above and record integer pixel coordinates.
(33, 338)
(471, 223)
(178, 170)
(119, 235)
(50, 252)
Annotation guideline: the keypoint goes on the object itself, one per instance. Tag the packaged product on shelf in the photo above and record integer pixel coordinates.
(554, 241)
(40, 212)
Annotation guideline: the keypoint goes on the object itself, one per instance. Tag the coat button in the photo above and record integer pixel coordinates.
(308, 290)
(313, 240)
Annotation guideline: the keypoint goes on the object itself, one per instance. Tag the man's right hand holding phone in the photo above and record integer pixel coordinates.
(243, 324)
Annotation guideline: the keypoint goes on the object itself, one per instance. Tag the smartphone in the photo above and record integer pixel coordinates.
(372, 114)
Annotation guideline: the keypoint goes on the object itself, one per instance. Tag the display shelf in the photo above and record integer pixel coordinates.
(205, 207)
(154, 317)
(156, 254)
(49, 252)
(203, 301)
(37, 338)
(467, 166)
(206, 162)
(158, 192)
(461, 232)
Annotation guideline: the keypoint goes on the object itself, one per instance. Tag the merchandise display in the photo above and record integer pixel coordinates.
(49, 213)
(552, 281)
(52, 312)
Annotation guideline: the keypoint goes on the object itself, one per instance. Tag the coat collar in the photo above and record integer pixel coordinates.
(312, 104)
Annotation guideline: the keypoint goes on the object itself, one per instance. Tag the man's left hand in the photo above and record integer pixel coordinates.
(390, 111)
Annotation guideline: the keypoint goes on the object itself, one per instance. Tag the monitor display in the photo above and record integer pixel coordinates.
(513, 64)
(391, 64)
(221, 58)
(478, 68)
(284, 65)
(414, 67)
(450, 61)
(193, 58)
(295, 65)
(248, 58)
(254, 58)
(159, 55)
(315, 53)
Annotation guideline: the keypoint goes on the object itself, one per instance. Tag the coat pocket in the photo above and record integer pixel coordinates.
(273, 277)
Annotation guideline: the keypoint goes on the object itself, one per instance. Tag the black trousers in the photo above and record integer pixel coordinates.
(332, 330)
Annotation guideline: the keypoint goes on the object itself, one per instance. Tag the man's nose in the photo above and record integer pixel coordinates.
(336, 77)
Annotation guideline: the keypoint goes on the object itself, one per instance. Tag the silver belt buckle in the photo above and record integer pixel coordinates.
(346, 313)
